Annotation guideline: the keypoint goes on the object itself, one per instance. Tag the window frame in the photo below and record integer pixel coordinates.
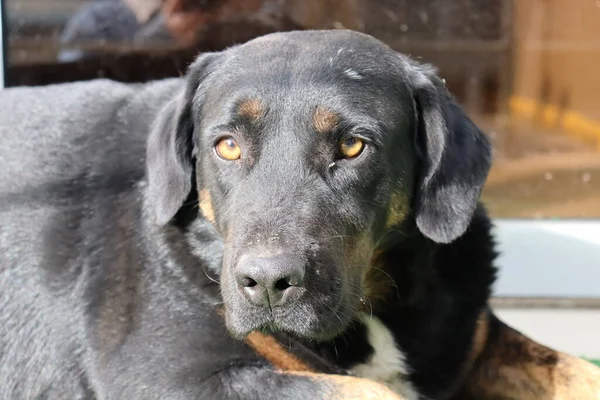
(3, 48)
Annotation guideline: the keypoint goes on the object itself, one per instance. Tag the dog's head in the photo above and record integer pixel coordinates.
(305, 150)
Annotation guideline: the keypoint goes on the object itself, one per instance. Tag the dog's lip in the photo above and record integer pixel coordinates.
(238, 333)
(270, 323)
(267, 327)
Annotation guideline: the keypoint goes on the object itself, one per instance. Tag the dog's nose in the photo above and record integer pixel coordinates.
(271, 281)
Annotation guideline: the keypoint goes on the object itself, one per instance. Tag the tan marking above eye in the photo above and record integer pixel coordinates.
(351, 147)
(252, 109)
(228, 149)
(325, 120)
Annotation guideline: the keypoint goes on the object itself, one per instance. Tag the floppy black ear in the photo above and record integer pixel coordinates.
(170, 158)
(456, 156)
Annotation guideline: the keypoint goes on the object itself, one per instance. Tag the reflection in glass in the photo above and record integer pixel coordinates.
(525, 71)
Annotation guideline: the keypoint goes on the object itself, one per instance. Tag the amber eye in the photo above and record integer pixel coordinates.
(228, 149)
(351, 147)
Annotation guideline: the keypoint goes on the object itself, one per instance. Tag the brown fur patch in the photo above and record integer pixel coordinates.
(378, 284)
(206, 206)
(269, 348)
(251, 109)
(512, 366)
(340, 387)
(482, 330)
(325, 120)
(358, 254)
(399, 209)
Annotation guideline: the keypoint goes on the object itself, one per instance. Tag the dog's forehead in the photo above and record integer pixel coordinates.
(340, 70)
(319, 49)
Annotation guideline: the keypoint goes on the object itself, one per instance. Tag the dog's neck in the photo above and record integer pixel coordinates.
(402, 267)
(420, 273)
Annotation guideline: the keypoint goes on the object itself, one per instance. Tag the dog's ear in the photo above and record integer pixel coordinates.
(456, 158)
(170, 153)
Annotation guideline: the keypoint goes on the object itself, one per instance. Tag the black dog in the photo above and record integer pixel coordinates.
(303, 223)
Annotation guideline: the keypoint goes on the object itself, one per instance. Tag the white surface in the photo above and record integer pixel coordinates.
(548, 258)
(575, 331)
(551, 259)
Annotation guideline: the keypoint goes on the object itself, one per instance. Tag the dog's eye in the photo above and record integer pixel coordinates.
(351, 147)
(228, 149)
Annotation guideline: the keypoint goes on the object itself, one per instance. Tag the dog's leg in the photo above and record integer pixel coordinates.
(339, 387)
(324, 386)
(262, 384)
(511, 366)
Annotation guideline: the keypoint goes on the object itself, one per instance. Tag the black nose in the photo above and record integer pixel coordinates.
(271, 281)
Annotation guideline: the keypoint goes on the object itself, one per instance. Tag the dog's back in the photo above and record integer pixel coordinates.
(63, 148)
(52, 134)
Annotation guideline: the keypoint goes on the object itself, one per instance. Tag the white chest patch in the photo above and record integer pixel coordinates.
(387, 363)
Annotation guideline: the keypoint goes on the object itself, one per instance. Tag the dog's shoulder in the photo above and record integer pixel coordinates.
(73, 155)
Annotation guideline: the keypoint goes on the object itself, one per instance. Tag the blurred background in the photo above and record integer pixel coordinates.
(526, 71)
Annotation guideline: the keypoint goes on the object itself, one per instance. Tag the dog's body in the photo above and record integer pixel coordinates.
(113, 285)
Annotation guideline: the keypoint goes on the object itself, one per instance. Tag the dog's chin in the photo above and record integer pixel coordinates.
(302, 325)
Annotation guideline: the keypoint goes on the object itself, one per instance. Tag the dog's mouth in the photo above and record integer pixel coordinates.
(299, 326)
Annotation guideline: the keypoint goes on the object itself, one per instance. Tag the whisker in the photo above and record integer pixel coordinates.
(194, 203)
(362, 295)
(341, 237)
(391, 280)
(396, 230)
(332, 310)
(209, 277)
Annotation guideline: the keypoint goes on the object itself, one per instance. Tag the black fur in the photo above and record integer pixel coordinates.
(111, 280)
